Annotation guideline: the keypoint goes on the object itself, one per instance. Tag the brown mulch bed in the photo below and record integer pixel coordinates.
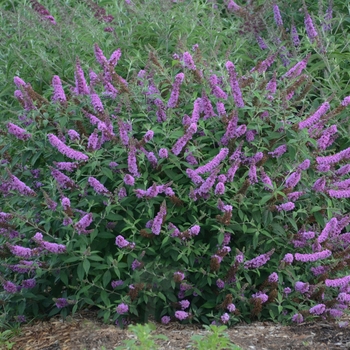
(84, 331)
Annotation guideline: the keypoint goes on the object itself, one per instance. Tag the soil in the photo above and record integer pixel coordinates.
(84, 331)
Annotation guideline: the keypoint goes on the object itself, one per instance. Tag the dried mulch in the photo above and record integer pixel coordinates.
(84, 331)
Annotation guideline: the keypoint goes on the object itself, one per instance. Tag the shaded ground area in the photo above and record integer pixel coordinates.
(85, 332)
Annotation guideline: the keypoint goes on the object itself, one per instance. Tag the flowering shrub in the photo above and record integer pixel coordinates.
(190, 186)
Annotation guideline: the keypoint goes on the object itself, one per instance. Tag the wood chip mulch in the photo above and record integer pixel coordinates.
(84, 331)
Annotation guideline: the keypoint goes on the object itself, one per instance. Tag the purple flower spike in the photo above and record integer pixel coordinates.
(277, 15)
(236, 91)
(174, 96)
(18, 132)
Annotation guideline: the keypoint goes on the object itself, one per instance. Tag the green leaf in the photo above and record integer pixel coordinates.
(108, 173)
(104, 297)
(86, 265)
(106, 278)
(80, 271)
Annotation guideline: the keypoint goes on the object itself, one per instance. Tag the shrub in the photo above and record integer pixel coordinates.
(189, 191)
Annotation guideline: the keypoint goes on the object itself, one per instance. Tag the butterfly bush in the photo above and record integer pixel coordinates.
(195, 190)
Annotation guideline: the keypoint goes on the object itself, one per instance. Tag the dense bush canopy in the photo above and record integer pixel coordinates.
(191, 169)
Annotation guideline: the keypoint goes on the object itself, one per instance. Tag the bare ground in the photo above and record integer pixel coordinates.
(84, 331)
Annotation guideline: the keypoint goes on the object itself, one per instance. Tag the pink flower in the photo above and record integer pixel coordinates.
(231, 307)
(97, 186)
(273, 278)
(318, 309)
(121, 242)
(298, 318)
(129, 180)
(18, 132)
(324, 254)
(184, 304)
(278, 151)
(181, 315)
(302, 287)
(165, 319)
(122, 308)
(225, 318)
(174, 96)
(286, 206)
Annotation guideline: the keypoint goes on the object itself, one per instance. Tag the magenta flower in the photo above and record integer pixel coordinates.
(179, 276)
(65, 150)
(188, 61)
(278, 151)
(67, 166)
(158, 220)
(285, 206)
(219, 189)
(194, 230)
(338, 282)
(132, 162)
(73, 135)
(295, 36)
(129, 180)
(236, 91)
(298, 318)
(165, 319)
(273, 278)
(61, 303)
(211, 165)
(58, 92)
(328, 231)
(302, 287)
(318, 309)
(339, 193)
(314, 256)
(174, 96)
(215, 89)
(220, 107)
(232, 6)
(293, 179)
(135, 265)
(163, 153)
(18, 132)
(17, 185)
(258, 261)
(117, 283)
(231, 307)
(121, 242)
(181, 315)
(225, 318)
(184, 304)
(21, 251)
(122, 308)
(81, 87)
(63, 180)
(97, 186)
(29, 283)
(262, 296)
(10, 287)
(83, 223)
(265, 179)
(182, 141)
(277, 15)
(220, 284)
(148, 136)
(307, 123)
(310, 28)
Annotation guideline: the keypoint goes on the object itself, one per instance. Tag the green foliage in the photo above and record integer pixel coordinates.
(215, 339)
(144, 338)
(152, 37)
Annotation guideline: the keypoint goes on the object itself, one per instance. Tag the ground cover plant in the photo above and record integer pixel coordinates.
(200, 178)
